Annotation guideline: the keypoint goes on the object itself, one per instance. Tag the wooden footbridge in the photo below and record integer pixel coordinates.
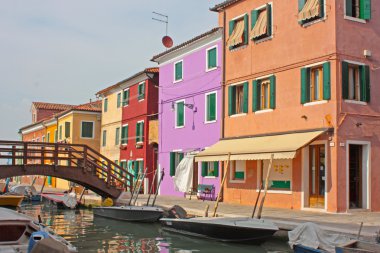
(73, 162)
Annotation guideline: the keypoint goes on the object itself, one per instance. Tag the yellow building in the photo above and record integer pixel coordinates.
(51, 136)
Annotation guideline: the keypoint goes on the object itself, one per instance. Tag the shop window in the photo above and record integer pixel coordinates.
(238, 170)
(281, 174)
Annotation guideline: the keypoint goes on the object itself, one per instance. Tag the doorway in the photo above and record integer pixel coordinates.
(317, 171)
(355, 170)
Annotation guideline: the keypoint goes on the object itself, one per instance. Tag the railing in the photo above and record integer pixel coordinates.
(66, 155)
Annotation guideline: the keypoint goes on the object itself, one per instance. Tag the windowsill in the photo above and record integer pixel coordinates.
(359, 20)
(237, 181)
(264, 111)
(125, 105)
(209, 177)
(214, 68)
(316, 103)
(277, 191)
(239, 47)
(88, 138)
(179, 127)
(355, 102)
(210, 122)
(238, 115)
(140, 100)
(314, 22)
(263, 39)
(177, 81)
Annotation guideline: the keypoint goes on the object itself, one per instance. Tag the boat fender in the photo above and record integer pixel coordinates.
(107, 202)
(36, 237)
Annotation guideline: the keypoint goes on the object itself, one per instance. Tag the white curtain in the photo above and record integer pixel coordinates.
(183, 179)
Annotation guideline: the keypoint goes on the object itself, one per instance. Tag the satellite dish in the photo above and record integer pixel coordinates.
(167, 41)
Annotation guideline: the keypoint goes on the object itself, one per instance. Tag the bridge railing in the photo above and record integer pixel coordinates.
(66, 155)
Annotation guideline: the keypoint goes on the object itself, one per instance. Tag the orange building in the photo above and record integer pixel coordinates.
(298, 82)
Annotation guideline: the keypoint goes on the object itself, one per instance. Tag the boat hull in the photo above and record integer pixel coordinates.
(130, 213)
(221, 232)
(10, 200)
(303, 249)
(358, 247)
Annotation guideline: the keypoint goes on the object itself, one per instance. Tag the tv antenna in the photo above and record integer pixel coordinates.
(166, 40)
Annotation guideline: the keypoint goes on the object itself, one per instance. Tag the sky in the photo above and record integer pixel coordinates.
(65, 51)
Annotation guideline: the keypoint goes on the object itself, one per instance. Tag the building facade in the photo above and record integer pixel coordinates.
(190, 107)
(302, 73)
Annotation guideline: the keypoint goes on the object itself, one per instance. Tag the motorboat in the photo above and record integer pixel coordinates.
(62, 200)
(358, 247)
(240, 230)
(130, 213)
(18, 232)
(29, 191)
(11, 200)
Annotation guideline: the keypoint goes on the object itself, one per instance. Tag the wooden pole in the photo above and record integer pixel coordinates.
(266, 187)
(151, 187)
(222, 184)
(257, 199)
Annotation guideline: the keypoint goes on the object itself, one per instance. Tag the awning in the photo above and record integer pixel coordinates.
(236, 36)
(260, 27)
(282, 146)
(310, 10)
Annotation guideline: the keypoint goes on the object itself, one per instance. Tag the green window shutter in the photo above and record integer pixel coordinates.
(216, 169)
(245, 97)
(272, 103)
(127, 97)
(256, 95)
(269, 20)
(106, 105)
(326, 81)
(118, 100)
(246, 31)
(212, 107)
(365, 83)
(211, 58)
(231, 29)
(344, 80)
(172, 164)
(104, 141)
(204, 169)
(365, 9)
(231, 100)
(67, 129)
(322, 9)
(254, 16)
(178, 71)
(142, 131)
(301, 4)
(349, 8)
(305, 85)
(124, 134)
(117, 136)
(181, 155)
(180, 114)
(138, 132)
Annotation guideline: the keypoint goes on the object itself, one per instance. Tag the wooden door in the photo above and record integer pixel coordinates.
(355, 176)
(317, 181)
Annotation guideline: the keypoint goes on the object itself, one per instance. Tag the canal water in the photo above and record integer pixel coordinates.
(95, 234)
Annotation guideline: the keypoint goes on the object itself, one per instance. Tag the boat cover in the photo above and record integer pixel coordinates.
(311, 235)
(183, 179)
(24, 189)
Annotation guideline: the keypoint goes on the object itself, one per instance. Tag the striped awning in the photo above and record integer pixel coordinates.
(236, 36)
(261, 25)
(311, 9)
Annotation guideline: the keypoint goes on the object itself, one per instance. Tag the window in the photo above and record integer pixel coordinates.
(43, 138)
(180, 114)
(238, 170)
(123, 164)
(210, 169)
(212, 58)
(211, 107)
(117, 136)
(141, 91)
(264, 94)
(139, 167)
(140, 132)
(315, 83)
(355, 82)
(55, 135)
(48, 137)
(360, 9)
(238, 32)
(175, 159)
(104, 139)
(238, 99)
(310, 10)
(126, 97)
(105, 105)
(178, 71)
(261, 25)
(87, 129)
(118, 103)
(124, 134)
(60, 132)
(280, 176)
(67, 129)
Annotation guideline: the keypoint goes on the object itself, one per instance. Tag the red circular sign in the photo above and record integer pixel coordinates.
(167, 41)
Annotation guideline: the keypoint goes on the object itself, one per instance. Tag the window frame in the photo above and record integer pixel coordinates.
(207, 58)
(141, 97)
(67, 123)
(176, 114)
(93, 129)
(211, 165)
(105, 105)
(235, 19)
(312, 83)
(60, 132)
(314, 20)
(117, 136)
(104, 138)
(236, 114)
(264, 38)
(216, 107)
(264, 82)
(121, 134)
(358, 64)
(261, 176)
(177, 154)
(141, 137)
(48, 136)
(233, 171)
(126, 102)
(351, 18)
(174, 72)
(119, 99)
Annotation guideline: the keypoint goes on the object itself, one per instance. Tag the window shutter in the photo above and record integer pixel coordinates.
(272, 103)
(231, 100)
(172, 164)
(301, 4)
(246, 29)
(180, 114)
(269, 20)
(211, 107)
(231, 29)
(138, 132)
(181, 156)
(256, 95)
(106, 105)
(67, 129)
(245, 97)
(117, 136)
(326, 81)
(254, 16)
(365, 9)
(344, 80)
(349, 8)
(142, 131)
(204, 169)
(365, 83)
(178, 71)
(118, 100)
(305, 85)
(211, 57)
(216, 169)
(322, 9)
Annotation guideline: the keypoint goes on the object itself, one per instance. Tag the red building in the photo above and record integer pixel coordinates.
(139, 145)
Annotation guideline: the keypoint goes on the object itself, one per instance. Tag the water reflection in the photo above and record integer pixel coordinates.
(101, 235)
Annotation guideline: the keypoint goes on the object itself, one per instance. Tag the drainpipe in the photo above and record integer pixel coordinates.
(223, 73)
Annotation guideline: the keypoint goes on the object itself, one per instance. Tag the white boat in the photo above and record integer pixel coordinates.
(16, 231)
